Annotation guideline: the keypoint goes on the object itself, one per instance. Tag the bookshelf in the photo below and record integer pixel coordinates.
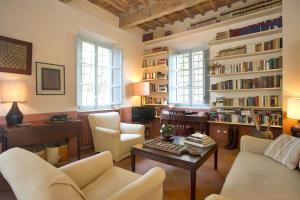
(155, 71)
(242, 67)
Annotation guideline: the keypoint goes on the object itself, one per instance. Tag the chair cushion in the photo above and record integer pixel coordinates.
(129, 140)
(112, 181)
(30, 177)
(255, 176)
(285, 149)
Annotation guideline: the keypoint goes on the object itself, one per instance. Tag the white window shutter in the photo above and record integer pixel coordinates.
(172, 79)
(117, 76)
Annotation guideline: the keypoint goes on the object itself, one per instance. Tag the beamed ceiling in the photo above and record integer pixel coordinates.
(150, 14)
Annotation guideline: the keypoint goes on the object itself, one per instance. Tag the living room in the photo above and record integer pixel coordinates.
(149, 99)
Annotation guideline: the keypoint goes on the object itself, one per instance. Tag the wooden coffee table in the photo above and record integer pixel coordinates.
(184, 161)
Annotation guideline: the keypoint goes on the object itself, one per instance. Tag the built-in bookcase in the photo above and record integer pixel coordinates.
(155, 71)
(246, 73)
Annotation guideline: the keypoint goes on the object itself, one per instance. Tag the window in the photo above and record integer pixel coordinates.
(187, 78)
(99, 76)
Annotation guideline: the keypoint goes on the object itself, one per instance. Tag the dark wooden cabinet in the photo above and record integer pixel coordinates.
(41, 132)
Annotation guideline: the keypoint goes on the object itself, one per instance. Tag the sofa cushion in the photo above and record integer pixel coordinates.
(30, 177)
(102, 188)
(258, 177)
(285, 149)
(129, 140)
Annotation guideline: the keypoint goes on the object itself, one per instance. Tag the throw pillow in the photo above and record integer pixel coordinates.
(285, 149)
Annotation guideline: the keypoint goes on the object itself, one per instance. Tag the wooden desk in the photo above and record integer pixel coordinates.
(182, 120)
(41, 132)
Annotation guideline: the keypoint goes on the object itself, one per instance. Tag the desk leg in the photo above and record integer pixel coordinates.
(216, 159)
(132, 161)
(78, 147)
(193, 184)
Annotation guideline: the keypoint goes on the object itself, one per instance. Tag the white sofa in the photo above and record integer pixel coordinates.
(254, 176)
(109, 134)
(93, 178)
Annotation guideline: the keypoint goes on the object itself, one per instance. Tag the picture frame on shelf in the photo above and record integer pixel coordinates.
(50, 79)
(15, 56)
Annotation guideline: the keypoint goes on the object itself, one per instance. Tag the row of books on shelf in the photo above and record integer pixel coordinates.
(158, 87)
(253, 28)
(249, 9)
(155, 62)
(240, 116)
(155, 50)
(205, 22)
(246, 66)
(251, 48)
(155, 75)
(274, 81)
(251, 101)
(155, 100)
(199, 140)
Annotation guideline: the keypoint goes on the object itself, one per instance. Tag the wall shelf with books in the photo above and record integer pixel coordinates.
(269, 11)
(155, 54)
(247, 55)
(245, 37)
(246, 107)
(253, 89)
(156, 68)
(241, 124)
(249, 72)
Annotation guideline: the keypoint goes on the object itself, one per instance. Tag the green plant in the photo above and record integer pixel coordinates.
(167, 130)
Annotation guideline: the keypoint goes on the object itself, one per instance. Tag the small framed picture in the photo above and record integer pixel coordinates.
(50, 79)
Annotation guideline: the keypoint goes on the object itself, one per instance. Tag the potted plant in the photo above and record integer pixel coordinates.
(167, 131)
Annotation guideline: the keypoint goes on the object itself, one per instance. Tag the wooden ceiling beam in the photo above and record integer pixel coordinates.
(155, 10)
(200, 10)
(143, 2)
(188, 13)
(228, 3)
(115, 5)
(212, 4)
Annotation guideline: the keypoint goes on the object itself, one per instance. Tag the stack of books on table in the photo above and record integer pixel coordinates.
(199, 140)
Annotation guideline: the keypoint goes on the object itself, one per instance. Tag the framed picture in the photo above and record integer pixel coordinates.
(50, 79)
(15, 56)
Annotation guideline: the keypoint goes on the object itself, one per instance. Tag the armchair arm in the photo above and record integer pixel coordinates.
(87, 170)
(132, 128)
(253, 144)
(136, 190)
(216, 197)
(107, 131)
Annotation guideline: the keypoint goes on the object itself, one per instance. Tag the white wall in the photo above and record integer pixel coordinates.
(291, 49)
(52, 27)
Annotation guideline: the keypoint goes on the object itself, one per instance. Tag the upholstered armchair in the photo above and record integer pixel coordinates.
(93, 178)
(109, 134)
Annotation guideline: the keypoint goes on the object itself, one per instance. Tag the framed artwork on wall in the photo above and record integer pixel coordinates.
(15, 56)
(50, 79)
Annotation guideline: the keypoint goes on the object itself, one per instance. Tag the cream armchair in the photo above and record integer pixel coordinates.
(93, 178)
(111, 135)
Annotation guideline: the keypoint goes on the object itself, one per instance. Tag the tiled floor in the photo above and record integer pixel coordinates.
(177, 182)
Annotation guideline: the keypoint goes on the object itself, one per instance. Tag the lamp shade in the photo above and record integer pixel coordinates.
(293, 108)
(141, 89)
(13, 91)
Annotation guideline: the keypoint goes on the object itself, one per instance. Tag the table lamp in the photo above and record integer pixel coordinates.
(293, 112)
(141, 89)
(14, 91)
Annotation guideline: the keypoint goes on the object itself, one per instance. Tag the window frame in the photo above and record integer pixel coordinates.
(173, 61)
(79, 40)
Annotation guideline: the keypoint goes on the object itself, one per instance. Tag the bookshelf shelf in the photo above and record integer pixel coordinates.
(270, 11)
(247, 107)
(156, 54)
(241, 124)
(254, 89)
(156, 80)
(249, 72)
(155, 104)
(156, 68)
(245, 37)
(247, 55)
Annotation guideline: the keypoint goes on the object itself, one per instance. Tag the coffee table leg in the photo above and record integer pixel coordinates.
(132, 161)
(216, 159)
(193, 184)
